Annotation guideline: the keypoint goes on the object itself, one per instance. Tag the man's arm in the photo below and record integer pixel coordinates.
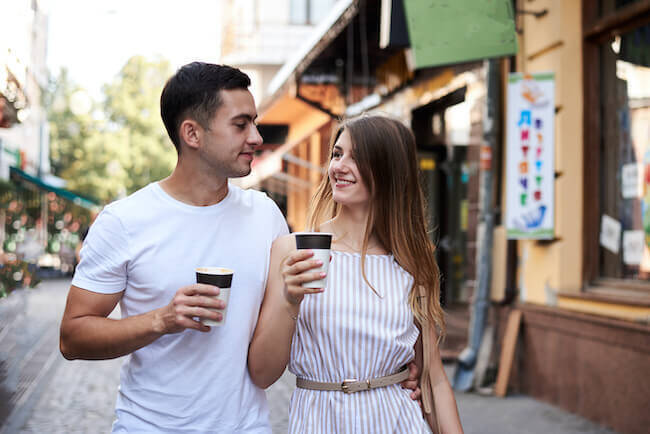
(87, 333)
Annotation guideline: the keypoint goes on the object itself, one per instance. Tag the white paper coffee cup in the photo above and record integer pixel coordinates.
(221, 277)
(319, 243)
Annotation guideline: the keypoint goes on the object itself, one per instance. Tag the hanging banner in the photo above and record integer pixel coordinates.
(445, 32)
(530, 163)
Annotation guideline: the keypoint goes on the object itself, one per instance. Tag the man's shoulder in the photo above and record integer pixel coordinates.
(133, 203)
(249, 197)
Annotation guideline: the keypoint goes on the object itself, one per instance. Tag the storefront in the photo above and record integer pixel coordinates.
(584, 343)
(584, 291)
(343, 71)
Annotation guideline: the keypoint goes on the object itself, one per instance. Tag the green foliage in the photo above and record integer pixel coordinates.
(15, 274)
(118, 146)
(22, 213)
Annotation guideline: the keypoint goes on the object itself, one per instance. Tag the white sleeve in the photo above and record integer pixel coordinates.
(278, 222)
(104, 256)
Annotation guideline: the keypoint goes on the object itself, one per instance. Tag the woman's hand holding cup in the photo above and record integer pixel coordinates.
(301, 267)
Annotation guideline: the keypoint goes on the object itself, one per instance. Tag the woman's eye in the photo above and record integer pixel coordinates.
(336, 154)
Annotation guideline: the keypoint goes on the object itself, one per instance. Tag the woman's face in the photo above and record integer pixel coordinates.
(347, 186)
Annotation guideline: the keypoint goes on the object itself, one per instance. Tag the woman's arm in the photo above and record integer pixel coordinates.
(446, 409)
(269, 350)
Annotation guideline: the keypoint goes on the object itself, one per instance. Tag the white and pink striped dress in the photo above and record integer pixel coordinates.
(350, 332)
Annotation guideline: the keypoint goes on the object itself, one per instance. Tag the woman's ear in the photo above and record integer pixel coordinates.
(190, 133)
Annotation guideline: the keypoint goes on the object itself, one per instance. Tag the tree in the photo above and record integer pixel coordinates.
(114, 148)
(132, 107)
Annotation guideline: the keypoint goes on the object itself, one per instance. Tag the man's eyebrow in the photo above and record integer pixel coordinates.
(244, 116)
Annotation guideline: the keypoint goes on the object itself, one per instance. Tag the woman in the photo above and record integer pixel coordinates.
(382, 290)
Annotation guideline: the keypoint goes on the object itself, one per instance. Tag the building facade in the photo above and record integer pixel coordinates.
(23, 76)
(584, 294)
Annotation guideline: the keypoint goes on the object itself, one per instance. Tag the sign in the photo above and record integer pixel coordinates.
(633, 246)
(444, 32)
(630, 181)
(530, 156)
(610, 233)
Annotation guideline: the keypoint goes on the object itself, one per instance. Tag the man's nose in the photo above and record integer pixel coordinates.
(255, 137)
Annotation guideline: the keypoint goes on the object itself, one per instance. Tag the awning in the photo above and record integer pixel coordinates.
(324, 33)
(68, 195)
(450, 32)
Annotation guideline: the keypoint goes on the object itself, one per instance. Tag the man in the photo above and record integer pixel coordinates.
(181, 375)
(141, 252)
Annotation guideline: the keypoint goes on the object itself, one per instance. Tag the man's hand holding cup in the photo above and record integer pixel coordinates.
(189, 303)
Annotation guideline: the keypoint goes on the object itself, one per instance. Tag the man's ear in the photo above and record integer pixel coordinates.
(190, 133)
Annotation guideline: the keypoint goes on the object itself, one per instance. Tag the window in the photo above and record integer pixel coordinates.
(625, 154)
(309, 11)
(617, 143)
(299, 12)
(607, 7)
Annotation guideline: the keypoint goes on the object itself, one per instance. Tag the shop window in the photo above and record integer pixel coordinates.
(617, 145)
(625, 155)
(607, 7)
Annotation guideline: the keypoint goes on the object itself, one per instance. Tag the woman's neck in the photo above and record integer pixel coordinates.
(349, 227)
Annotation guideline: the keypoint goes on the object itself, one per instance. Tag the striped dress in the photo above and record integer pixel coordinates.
(350, 332)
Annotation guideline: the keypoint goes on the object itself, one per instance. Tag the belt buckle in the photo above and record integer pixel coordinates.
(345, 386)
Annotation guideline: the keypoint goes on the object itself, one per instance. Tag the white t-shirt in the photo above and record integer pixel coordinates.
(148, 245)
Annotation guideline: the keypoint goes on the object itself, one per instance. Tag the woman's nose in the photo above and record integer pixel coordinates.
(339, 166)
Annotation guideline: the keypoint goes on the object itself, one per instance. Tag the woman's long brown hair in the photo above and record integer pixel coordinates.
(385, 153)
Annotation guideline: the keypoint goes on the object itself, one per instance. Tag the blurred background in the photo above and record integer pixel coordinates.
(532, 121)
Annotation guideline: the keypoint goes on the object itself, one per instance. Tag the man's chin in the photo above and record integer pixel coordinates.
(240, 173)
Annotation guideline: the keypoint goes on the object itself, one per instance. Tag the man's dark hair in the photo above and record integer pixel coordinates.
(195, 92)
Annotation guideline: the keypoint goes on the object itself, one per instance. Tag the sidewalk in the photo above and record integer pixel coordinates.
(40, 392)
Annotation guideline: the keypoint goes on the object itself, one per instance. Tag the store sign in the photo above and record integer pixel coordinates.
(530, 164)
(445, 32)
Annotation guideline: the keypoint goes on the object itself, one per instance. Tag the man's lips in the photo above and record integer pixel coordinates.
(247, 155)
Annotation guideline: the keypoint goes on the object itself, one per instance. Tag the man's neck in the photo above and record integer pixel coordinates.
(191, 188)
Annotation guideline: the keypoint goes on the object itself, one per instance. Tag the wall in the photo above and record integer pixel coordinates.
(589, 365)
(554, 43)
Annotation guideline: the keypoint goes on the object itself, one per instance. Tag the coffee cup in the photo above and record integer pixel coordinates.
(319, 243)
(221, 277)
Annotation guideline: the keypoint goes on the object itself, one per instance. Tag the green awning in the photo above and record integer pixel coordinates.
(65, 194)
(444, 32)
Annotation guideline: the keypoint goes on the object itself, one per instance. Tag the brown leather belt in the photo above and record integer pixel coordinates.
(354, 385)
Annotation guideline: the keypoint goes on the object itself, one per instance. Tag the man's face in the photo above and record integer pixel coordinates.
(229, 141)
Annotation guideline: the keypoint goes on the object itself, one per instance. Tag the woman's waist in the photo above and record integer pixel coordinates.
(329, 360)
(339, 372)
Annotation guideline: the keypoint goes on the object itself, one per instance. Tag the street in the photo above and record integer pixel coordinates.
(41, 392)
